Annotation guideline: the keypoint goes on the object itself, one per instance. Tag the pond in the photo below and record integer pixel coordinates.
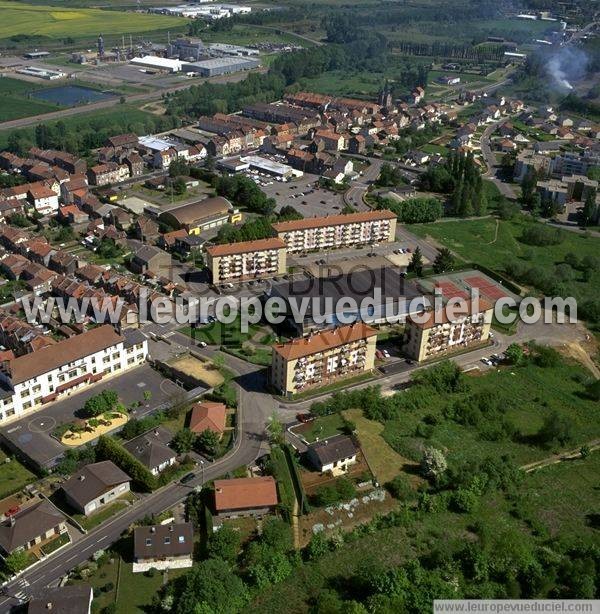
(71, 95)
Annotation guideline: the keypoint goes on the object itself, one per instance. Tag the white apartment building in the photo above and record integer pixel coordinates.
(362, 228)
(246, 260)
(45, 375)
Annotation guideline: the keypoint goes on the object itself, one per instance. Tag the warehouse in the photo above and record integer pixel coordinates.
(221, 66)
(156, 63)
(270, 167)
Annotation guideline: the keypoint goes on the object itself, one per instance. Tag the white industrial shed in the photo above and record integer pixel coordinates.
(157, 63)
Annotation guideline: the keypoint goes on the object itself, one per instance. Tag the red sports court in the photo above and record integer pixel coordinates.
(450, 290)
(486, 287)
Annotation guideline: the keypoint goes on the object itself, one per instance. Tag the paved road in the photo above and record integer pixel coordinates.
(253, 413)
(490, 160)
(354, 195)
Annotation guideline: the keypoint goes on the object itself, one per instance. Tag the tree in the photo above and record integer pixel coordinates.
(433, 463)
(593, 390)
(514, 354)
(209, 587)
(416, 262)
(224, 544)
(555, 429)
(589, 213)
(444, 261)
(275, 429)
(184, 441)
(17, 561)
(207, 442)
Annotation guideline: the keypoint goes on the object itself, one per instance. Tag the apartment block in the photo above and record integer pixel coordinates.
(246, 260)
(27, 382)
(323, 358)
(435, 334)
(335, 231)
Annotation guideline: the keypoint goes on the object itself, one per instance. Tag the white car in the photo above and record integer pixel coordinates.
(385, 353)
(202, 344)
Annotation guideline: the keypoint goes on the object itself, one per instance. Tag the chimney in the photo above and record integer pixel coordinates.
(49, 605)
(152, 529)
(82, 477)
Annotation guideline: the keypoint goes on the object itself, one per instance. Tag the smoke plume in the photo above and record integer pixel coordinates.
(566, 65)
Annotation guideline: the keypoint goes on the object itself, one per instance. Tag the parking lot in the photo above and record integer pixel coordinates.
(305, 196)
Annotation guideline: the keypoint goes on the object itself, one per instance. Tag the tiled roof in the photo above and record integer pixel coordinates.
(334, 220)
(245, 493)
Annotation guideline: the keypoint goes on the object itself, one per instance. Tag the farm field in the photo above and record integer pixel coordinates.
(472, 239)
(56, 21)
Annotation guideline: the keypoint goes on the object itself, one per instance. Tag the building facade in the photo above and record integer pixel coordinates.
(435, 334)
(336, 231)
(246, 260)
(323, 358)
(32, 380)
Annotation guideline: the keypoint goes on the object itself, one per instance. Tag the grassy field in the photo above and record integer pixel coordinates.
(123, 118)
(13, 475)
(218, 333)
(57, 22)
(16, 103)
(530, 392)
(384, 462)
(321, 428)
(473, 240)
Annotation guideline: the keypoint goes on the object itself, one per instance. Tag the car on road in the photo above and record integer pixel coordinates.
(188, 477)
(202, 344)
(305, 417)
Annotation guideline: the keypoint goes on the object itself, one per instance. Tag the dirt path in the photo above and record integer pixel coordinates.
(575, 350)
(559, 458)
(295, 525)
(495, 233)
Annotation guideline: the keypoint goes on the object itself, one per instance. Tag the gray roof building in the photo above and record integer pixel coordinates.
(331, 451)
(26, 526)
(163, 541)
(92, 481)
(152, 449)
(76, 599)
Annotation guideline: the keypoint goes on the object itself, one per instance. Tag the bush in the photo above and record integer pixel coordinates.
(400, 488)
(433, 463)
(110, 449)
(541, 235)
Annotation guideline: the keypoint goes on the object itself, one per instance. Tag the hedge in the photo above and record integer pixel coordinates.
(109, 448)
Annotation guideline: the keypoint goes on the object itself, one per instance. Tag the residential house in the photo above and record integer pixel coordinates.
(245, 497)
(335, 454)
(152, 449)
(68, 599)
(42, 198)
(208, 415)
(35, 524)
(95, 486)
(149, 259)
(163, 546)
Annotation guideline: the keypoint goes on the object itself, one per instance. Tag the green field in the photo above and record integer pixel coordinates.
(56, 22)
(16, 107)
(473, 240)
(13, 476)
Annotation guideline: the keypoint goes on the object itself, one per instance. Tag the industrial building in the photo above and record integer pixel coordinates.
(206, 214)
(227, 49)
(154, 62)
(221, 66)
(246, 260)
(270, 167)
(323, 358)
(42, 73)
(334, 231)
(380, 295)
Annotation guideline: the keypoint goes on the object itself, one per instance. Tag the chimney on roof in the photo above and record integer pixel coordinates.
(81, 477)
(152, 529)
(49, 605)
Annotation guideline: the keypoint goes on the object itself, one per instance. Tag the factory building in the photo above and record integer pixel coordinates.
(154, 62)
(221, 66)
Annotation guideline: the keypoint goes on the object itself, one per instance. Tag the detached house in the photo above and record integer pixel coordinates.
(335, 454)
(152, 450)
(33, 525)
(245, 497)
(169, 546)
(95, 486)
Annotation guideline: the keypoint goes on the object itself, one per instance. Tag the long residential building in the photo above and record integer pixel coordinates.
(323, 358)
(435, 334)
(335, 231)
(27, 382)
(246, 260)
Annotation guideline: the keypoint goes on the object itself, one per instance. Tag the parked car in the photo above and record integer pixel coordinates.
(188, 477)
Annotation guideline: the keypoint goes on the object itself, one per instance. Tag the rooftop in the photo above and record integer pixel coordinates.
(245, 493)
(334, 220)
(156, 541)
(93, 480)
(324, 340)
(245, 247)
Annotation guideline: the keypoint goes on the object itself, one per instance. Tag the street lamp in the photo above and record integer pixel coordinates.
(202, 471)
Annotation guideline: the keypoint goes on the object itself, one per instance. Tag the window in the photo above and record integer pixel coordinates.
(182, 539)
(167, 541)
(27, 405)
(10, 412)
(148, 541)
